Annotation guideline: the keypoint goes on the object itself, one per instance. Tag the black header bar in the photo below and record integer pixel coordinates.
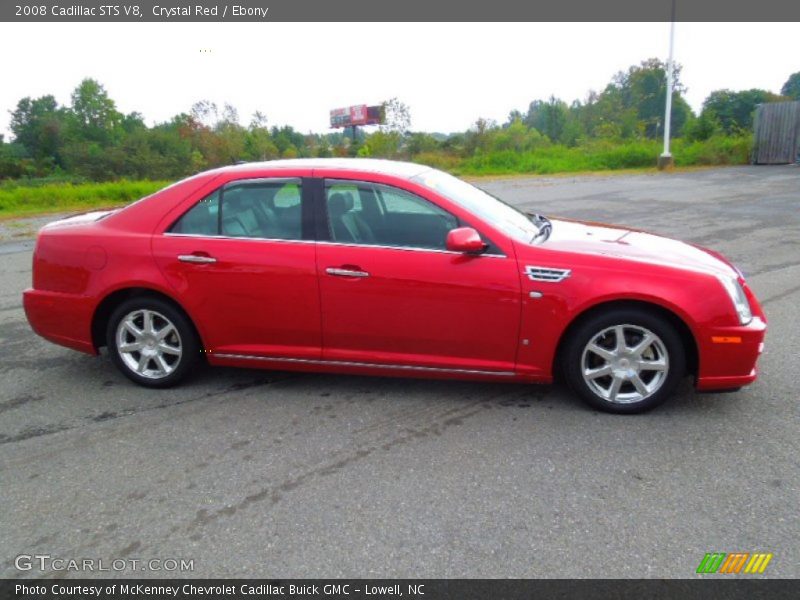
(396, 10)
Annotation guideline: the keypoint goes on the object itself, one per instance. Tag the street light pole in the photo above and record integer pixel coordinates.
(665, 160)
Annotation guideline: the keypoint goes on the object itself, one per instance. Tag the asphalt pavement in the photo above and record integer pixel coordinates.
(270, 474)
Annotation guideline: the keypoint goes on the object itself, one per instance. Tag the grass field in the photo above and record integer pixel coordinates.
(593, 157)
(21, 199)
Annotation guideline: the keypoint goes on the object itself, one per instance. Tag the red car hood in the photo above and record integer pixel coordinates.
(631, 244)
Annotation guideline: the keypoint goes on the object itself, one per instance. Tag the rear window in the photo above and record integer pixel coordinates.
(257, 209)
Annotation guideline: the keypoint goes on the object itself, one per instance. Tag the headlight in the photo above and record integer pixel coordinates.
(738, 297)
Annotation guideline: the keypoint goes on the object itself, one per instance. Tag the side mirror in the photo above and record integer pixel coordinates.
(465, 239)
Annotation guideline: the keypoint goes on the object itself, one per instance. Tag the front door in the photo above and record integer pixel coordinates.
(393, 295)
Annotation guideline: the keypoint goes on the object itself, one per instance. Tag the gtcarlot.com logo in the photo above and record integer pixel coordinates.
(734, 563)
(46, 562)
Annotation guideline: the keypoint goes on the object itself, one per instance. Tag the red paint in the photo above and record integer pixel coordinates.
(419, 312)
(465, 239)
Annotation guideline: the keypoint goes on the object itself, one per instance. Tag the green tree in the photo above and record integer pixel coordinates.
(38, 125)
(642, 94)
(734, 110)
(573, 130)
(231, 137)
(514, 115)
(205, 112)
(478, 138)
(11, 160)
(95, 133)
(216, 135)
(702, 127)
(791, 88)
(421, 142)
(94, 115)
(455, 143)
(258, 141)
(288, 141)
(133, 122)
(157, 153)
(548, 117)
(382, 144)
(516, 137)
(587, 113)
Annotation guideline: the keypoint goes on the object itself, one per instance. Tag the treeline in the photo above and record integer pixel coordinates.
(90, 139)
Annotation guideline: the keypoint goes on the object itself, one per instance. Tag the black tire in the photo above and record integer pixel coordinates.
(636, 321)
(183, 338)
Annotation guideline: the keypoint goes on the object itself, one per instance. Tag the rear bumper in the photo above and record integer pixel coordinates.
(64, 319)
(728, 355)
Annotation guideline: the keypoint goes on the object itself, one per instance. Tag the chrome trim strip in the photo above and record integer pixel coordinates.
(327, 243)
(344, 363)
(231, 237)
(546, 274)
(262, 181)
(409, 248)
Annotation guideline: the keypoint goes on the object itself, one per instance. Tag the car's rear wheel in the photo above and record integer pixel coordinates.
(151, 342)
(624, 360)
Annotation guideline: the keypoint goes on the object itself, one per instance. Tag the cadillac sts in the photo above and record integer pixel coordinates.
(385, 268)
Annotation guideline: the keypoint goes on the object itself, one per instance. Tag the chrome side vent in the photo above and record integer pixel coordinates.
(547, 274)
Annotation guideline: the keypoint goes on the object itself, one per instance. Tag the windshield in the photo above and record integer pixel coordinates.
(494, 211)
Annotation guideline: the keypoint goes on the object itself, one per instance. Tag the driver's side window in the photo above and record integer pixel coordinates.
(374, 214)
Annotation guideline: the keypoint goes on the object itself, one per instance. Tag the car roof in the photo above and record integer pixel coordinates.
(371, 165)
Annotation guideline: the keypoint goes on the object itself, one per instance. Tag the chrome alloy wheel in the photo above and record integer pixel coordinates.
(149, 343)
(625, 364)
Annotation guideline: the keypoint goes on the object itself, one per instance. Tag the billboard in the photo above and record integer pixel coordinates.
(353, 116)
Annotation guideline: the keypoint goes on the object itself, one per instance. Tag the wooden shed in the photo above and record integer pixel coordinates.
(776, 139)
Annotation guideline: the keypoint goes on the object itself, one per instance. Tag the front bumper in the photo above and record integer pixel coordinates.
(728, 355)
(64, 319)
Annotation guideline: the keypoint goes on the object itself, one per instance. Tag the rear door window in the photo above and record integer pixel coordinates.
(258, 209)
(201, 219)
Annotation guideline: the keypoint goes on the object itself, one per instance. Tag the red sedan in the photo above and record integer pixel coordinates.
(388, 268)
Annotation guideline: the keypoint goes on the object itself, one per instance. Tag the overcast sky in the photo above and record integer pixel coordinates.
(448, 74)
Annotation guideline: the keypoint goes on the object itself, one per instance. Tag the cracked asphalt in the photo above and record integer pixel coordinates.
(260, 473)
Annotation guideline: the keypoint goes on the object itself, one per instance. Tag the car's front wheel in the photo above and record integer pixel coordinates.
(151, 342)
(624, 360)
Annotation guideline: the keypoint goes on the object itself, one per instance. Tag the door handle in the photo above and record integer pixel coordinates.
(196, 258)
(339, 272)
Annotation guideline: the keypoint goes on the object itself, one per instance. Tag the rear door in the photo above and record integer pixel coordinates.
(392, 294)
(242, 260)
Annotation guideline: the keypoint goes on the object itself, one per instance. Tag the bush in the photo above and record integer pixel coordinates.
(595, 156)
(439, 160)
(602, 155)
(717, 150)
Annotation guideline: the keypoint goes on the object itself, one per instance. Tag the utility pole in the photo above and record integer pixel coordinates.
(666, 161)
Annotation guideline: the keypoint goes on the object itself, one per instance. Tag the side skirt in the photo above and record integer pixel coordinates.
(362, 365)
